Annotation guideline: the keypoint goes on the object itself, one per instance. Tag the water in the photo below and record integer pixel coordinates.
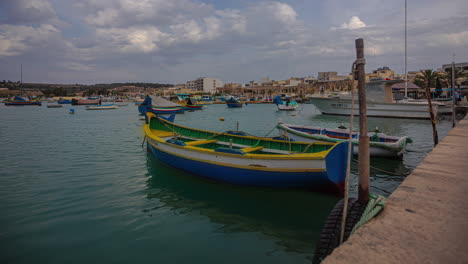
(80, 188)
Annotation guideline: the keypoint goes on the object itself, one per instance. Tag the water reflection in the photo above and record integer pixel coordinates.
(291, 218)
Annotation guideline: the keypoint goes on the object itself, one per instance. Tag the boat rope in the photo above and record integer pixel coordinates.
(381, 170)
(270, 131)
(374, 206)
(348, 162)
(143, 143)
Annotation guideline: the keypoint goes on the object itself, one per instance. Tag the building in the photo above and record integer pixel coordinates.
(381, 74)
(204, 84)
(330, 76)
(462, 66)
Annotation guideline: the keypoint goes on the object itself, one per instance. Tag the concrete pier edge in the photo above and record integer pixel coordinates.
(426, 219)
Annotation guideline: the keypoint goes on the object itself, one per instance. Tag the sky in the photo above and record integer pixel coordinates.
(174, 41)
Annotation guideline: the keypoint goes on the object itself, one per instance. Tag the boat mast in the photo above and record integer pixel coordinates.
(406, 58)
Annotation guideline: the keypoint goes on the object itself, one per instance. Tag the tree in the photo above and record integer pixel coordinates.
(459, 74)
(428, 77)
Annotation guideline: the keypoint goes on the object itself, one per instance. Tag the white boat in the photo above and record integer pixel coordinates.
(380, 145)
(285, 106)
(380, 103)
(101, 107)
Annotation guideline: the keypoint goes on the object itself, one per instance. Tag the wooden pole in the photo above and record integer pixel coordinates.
(363, 137)
(435, 136)
(453, 92)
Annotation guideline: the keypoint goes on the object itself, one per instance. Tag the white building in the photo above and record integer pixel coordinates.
(204, 84)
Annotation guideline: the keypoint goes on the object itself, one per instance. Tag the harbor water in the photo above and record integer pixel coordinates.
(81, 188)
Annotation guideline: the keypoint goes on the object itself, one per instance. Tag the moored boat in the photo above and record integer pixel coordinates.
(85, 101)
(22, 101)
(233, 103)
(159, 105)
(380, 145)
(380, 103)
(102, 107)
(191, 104)
(247, 160)
(64, 101)
(287, 105)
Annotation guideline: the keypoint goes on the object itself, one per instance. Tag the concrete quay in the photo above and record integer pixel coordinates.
(426, 219)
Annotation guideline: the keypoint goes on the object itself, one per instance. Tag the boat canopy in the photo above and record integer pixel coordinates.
(157, 101)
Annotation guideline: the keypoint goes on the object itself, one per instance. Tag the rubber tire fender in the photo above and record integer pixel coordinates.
(330, 235)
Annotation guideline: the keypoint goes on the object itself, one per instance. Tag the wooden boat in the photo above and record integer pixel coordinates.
(54, 106)
(86, 102)
(247, 160)
(102, 107)
(159, 105)
(233, 103)
(381, 145)
(159, 110)
(191, 104)
(287, 105)
(22, 101)
(64, 101)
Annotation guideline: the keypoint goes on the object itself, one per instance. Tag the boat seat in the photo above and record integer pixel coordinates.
(200, 142)
(251, 149)
(162, 133)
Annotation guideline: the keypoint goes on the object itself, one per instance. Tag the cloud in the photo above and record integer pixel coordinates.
(178, 40)
(354, 23)
(16, 39)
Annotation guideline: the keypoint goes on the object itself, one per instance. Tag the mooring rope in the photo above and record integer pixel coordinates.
(374, 206)
(377, 169)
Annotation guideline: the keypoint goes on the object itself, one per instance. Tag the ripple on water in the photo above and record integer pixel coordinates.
(81, 188)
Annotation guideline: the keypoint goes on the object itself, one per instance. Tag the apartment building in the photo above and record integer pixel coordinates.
(204, 84)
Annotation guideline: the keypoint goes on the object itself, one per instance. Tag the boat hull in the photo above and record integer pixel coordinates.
(159, 111)
(86, 102)
(193, 107)
(10, 103)
(283, 107)
(376, 149)
(234, 105)
(217, 170)
(101, 107)
(336, 106)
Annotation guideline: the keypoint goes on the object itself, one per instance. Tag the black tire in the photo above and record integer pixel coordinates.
(330, 235)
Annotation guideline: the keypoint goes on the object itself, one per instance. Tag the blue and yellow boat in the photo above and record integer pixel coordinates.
(247, 160)
(22, 101)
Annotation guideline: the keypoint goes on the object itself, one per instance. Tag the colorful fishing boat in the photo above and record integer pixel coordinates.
(102, 107)
(64, 101)
(381, 145)
(287, 105)
(247, 160)
(85, 101)
(159, 105)
(191, 104)
(233, 103)
(22, 101)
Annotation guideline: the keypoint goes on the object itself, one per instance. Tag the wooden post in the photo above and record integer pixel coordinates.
(363, 137)
(435, 136)
(453, 93)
